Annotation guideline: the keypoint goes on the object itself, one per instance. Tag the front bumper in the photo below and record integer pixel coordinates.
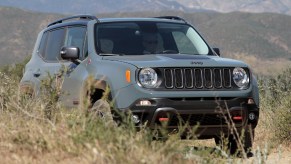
(211, 116)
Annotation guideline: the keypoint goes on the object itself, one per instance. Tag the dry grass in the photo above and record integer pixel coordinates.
(31, 138)
(29, 135)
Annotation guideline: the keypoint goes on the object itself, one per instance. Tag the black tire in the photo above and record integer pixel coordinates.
(232, 145)
(248, 140)
(102, 109)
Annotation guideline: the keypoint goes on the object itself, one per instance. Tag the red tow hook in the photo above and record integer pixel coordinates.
(162, 119)
(237, 118)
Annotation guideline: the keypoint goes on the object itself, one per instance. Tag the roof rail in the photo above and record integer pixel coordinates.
(89, 17)
(173, 18)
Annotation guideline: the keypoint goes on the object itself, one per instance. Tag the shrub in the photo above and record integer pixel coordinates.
(15, 71)
(276, 102)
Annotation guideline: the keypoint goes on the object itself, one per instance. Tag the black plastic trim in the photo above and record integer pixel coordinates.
(84, 17)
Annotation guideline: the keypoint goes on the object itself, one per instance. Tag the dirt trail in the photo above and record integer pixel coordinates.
(279, 155)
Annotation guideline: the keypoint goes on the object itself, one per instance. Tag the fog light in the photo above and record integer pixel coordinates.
(252, 116)
(144, 103)
(135, 119)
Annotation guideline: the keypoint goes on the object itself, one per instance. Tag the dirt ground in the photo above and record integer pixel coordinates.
(280, 155)
(11, 154)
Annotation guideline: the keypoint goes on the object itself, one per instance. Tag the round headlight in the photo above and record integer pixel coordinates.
(148, 78)
(240, 78)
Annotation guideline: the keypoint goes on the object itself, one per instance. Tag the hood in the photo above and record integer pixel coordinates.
(176, 60)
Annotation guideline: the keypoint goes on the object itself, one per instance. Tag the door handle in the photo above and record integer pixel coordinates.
(37, 73)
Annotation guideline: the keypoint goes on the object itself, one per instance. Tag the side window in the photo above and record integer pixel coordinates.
(42, 45)
(75, 37)
(85, 50)
(54, 43)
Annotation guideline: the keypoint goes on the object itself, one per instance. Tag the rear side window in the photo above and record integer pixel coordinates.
(54, 43)
(42, 45)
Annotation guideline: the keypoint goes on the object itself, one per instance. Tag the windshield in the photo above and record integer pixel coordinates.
(136, 38)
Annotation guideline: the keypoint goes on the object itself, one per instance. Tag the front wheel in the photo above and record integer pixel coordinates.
(101, 108)
(233, 142)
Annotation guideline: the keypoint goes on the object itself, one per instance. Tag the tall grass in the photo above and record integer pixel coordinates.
(41, 130)
(41, 127)
(276, 104)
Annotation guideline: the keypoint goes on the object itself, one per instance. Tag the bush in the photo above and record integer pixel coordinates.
(283, 120)
(15, 71)
(276, 101)
(42, 128)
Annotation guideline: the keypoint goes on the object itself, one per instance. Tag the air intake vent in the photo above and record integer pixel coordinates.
(197, 78)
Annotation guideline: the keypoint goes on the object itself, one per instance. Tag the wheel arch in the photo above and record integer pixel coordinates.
(97, 89)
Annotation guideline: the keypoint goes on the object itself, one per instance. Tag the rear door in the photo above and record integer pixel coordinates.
(49, 51)
(47, 63)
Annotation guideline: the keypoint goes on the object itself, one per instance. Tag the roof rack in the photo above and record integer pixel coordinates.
(88, 17)
(173, 18)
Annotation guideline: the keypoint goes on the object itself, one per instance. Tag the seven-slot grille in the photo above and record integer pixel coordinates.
(197, 78)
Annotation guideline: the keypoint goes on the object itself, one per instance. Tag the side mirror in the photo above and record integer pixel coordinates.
(217, 51)
(70, 53)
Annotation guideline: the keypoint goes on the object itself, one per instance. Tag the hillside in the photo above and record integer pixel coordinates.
(264, 35)
(256, 6)
(261, 35)
(18, 32)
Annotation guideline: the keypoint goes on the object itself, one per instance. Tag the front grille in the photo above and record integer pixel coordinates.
(197, 78)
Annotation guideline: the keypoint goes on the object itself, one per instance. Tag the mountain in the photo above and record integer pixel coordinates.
(109, 6)
(18, 32)
(265, 35)
(256, 6)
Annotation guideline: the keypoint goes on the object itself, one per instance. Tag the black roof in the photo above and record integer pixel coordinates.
(83, 20)
(80, 17)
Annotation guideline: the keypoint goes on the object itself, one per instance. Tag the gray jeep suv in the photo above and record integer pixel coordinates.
(160, 69)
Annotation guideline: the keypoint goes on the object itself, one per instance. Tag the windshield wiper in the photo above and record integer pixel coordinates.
(169, 52)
